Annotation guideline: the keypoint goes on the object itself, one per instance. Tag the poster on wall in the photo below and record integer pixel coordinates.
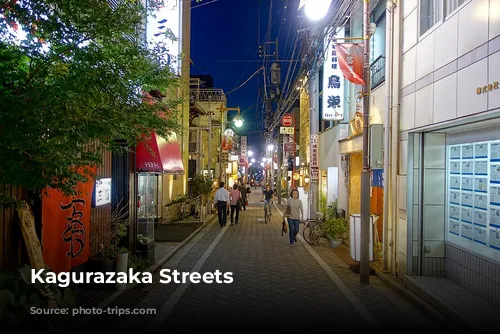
(495, 152)
(473, 206)
(495, 195)
(454, 227)
(467, 183)
(467, 231)
(494, 240)
(495, 174)
(480, 235)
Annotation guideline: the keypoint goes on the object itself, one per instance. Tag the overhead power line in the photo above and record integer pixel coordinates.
(247, 80)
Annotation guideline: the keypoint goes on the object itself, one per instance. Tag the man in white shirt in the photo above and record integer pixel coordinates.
(222, 200)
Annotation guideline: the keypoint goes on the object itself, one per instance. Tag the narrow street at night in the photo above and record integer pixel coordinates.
(354, 144)
(275, 286)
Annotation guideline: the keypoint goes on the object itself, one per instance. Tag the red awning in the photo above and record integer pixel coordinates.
(165, 158)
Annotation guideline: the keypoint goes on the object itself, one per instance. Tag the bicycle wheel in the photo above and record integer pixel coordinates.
(313, 231)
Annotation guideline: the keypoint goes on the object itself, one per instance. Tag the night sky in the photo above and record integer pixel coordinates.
(225, 36)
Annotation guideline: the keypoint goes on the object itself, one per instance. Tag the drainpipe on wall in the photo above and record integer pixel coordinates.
(395, 136)
(388, 149)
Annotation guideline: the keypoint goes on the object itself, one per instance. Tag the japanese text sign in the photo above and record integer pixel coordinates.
(314, 164)
(333, 83)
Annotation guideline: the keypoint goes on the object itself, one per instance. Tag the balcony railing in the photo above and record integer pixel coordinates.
(377, 72)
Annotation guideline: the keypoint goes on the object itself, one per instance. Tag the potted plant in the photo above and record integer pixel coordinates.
(335, 228)
(200, 185)
(105, 259)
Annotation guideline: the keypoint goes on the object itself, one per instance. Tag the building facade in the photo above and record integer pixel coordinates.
(448, 177)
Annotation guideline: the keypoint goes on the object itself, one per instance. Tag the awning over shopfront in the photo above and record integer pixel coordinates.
(162, 156)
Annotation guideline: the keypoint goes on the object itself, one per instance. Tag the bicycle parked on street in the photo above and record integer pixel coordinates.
(313, 229)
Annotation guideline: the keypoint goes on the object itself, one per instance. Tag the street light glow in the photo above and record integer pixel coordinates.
(253, 160)
(250, 153)
(270, 147)
(317, 9)
(262, 164)
(264, 159)
(238, 122)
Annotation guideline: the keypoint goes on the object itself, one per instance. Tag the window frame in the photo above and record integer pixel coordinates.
(377, 20)
(435, 25)
(453, 12)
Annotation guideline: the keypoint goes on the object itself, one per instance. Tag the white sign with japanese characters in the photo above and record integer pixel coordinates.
(333, 82)
(314, 163)
(286, 130)
(243, 147)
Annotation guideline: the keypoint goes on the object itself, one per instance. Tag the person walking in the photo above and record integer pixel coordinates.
(244, 193)
(221, 199)
(235, 198)
(294, 213)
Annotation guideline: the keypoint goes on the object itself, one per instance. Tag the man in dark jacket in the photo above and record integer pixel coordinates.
(243, 190)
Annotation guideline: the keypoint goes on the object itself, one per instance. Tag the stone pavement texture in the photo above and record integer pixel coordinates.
(275, 286)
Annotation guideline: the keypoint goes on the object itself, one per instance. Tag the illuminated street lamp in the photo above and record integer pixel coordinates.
(253, 160)
(270, 147)
(238, 121)
(264, 159)
(262, 164)
(317, 9)
(250, 153)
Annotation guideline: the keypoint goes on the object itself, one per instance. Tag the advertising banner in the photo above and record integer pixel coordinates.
(333, 83)
(350, 58)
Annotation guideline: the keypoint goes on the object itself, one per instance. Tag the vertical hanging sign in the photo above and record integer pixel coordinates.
(243, 150)
(163, 30)
(314, 166)
(333, 82)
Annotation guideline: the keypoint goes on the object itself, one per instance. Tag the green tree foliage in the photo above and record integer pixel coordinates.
(72, 77)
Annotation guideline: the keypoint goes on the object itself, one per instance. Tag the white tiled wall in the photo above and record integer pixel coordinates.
(445, 99)
(473, 25)
(409, 61)
(425, 56)
(407, 113)
(494, 74)
(453, 95)
(469, 78)
(424, 106)
(446, 42)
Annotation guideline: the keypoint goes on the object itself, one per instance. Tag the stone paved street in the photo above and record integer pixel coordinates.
(275, 286)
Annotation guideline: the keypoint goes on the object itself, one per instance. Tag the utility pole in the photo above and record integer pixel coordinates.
(280, 156)
(314, 132)
(275, 96)
(364, 262)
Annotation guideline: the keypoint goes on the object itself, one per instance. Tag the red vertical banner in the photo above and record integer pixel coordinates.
(350, 58)
(66, 227)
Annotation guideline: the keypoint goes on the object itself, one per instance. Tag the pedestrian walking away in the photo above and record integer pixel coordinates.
(235, 198)
(221, 199)
(294, 213)
(244, 193)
